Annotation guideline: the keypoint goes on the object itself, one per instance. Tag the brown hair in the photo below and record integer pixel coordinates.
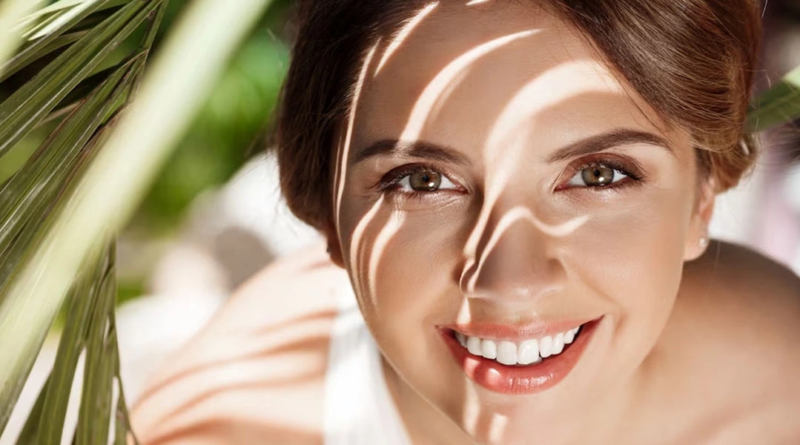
(692, 60)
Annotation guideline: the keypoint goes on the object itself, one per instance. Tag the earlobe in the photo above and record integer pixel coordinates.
(698, 240)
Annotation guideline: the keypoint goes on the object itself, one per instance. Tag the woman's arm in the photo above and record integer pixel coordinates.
(256, 373)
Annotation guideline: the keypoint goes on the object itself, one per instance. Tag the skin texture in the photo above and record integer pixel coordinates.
(703, 346)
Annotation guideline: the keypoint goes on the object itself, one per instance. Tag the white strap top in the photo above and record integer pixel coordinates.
(358, 407)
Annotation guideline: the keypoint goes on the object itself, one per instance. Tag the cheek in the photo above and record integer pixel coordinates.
(630, 254)
(403, 274)
(403, 263)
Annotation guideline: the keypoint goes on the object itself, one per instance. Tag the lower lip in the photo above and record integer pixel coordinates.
(529, 379)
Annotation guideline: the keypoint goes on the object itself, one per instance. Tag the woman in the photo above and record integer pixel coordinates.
(519, 192)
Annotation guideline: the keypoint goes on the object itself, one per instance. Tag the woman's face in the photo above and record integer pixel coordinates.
(498, 185)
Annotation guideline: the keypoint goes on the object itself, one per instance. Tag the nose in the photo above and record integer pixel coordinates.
(515, 261)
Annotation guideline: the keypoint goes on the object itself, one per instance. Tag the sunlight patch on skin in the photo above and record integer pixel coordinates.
(381, 241)
(464, 314)
(444, 96)
(497, 428)
(522, 213)
(344, 152)
(477, 2)
(338, 177)
(503, 156)
(472, 409)
(432, 93)
(357, 246)
(403, 34)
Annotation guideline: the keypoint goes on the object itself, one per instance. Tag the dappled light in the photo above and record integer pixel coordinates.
(440, 84)
(519, 202)
(512, 244)
(515, 215)
(343, 150)
(402, 34)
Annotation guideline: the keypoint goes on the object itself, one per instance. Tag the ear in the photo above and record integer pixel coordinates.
(334, 246)
(697, 238)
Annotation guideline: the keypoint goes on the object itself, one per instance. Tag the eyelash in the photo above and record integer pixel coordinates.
(631, 169)
(390, 180)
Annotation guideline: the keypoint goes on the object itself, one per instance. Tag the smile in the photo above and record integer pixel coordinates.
(525, 353)
(512, 360)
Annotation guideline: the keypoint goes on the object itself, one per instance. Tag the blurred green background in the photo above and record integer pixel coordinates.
(228, 131)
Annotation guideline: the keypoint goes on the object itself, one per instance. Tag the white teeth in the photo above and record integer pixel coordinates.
(462, 339)
(474, 346)
(546, 346)
(489, 349)
(507, 353)
(527, 352)
(558, 344)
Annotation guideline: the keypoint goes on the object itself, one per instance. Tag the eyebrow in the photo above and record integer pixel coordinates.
(604, 141)
(412, 149)
(441, 153)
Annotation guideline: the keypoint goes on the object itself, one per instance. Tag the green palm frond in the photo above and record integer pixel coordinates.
(34, 197)
(778, 105)
(13, 25)
(20, 113)
(60, 210)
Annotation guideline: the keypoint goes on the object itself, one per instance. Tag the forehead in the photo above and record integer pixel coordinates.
(465, 74)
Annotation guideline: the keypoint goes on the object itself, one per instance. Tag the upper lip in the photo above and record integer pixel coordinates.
(515, 332)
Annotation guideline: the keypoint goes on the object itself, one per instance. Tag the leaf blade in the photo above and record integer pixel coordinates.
(84, 297)
(28, 195)
(31, 103)
(94, 413)
(776, 106)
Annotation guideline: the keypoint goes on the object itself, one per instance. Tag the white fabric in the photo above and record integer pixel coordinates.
(358, 407)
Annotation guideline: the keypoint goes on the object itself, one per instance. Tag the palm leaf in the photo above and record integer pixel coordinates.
(68, 176)
(12, 12)
(29, 194)
(776, 106)
(32, 425)
(33, 101)
(35, 195)
(95, 410)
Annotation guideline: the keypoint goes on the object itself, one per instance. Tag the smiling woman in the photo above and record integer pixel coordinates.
(519, 192)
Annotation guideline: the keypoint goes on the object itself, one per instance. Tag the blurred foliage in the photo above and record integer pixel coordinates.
(226, 133)
(222, 138)
(76, 63)
(73, 69)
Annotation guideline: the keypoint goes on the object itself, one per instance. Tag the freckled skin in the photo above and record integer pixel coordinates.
(695, 345)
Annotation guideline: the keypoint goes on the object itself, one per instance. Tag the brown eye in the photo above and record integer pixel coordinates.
(425, 181)
(420, 179)
(598, 175)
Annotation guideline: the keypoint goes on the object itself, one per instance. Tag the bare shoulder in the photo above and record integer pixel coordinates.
(255, 374)
(736, 325)
(746, 287)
